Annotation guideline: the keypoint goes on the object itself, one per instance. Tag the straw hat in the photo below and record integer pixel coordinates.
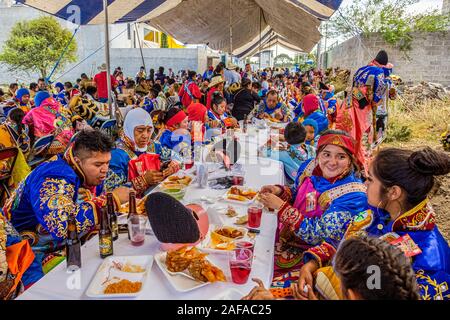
(216, 81)
(102, 67)
(232, 66)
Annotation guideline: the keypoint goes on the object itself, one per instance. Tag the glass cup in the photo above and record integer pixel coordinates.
(240, 261)
(254, 215)
(137, 225)
(245, 244)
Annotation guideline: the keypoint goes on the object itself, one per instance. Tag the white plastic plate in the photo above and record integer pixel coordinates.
(107, 271)
(205, 245)
(180, 282)
(249, 201)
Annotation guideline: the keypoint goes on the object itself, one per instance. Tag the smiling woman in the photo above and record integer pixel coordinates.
(326, 195)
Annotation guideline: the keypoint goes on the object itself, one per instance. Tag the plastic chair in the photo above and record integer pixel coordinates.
(8, 154)
(38, 153)
(108, 126)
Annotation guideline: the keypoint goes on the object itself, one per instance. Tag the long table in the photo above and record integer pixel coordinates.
(59, 284)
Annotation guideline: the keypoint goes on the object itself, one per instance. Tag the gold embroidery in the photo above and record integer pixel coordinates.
(439, 288)
(57, 203)
(3, 262)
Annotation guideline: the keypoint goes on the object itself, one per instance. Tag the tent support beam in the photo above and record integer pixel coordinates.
(108, 62)
(140, 46)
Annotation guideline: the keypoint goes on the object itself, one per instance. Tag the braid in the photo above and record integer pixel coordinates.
(356, 255)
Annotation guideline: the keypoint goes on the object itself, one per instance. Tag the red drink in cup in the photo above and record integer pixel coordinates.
(238, 180)
(254, 216)
(188, 164)
(245, 244)
(240, 265)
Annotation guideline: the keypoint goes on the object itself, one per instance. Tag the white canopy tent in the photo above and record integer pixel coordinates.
(235, 26)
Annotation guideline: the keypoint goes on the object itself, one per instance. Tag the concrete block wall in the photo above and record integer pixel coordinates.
(429, 59)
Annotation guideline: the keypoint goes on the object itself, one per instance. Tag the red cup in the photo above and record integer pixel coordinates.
(254, 216)
(240, 265)
(245, 244)
(189, 165)
(238, 180)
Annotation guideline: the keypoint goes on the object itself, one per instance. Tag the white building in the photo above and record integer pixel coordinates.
(124, 44)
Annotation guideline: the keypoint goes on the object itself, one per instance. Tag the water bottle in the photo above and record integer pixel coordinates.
(202, 175)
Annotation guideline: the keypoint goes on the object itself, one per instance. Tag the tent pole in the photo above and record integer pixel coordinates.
(260, 36)
(231, 32)
(140, 46)
(108, 62)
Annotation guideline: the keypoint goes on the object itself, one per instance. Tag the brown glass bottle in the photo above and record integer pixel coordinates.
(105, 236)
(112, 216)
(73, 245)
(131, 208)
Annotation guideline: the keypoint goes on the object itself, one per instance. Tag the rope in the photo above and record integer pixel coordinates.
(47, 80)
(93, 53)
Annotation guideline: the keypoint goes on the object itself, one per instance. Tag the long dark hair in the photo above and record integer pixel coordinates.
(17, 116)
(352, 264)
(413, 171)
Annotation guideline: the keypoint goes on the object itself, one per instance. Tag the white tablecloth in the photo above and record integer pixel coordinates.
(59, 284)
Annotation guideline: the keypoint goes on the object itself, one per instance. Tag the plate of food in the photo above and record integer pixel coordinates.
(177, 179)
(241, 195)
(140, 207)
(222, 238)
(120, 277)
(187, 269)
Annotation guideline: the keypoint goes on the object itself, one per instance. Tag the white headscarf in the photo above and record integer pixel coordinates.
(135, 118)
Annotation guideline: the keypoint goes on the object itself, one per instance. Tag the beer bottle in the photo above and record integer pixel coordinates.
(73, 246)
(131, 209)
(105, 236)
(112, 216)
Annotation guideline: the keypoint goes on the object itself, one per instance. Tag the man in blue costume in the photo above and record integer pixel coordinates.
(273, 109)
(70, 184)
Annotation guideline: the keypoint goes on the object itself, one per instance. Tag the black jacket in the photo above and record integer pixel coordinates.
(244, 102)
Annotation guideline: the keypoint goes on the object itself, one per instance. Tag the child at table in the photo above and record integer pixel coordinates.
(295, 152)
(312, 132)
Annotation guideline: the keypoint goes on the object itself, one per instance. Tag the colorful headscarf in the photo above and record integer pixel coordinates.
(338, 139)
(136, 117)
(176, 119)
(312, 123)
(310, 104)
(197, 112)
(40, 97)
(22, 92)
(60, 86)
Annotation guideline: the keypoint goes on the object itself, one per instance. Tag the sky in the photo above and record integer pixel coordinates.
(422, 5)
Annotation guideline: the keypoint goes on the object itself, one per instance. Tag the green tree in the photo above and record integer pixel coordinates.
(388, 17)
(303, 61)
(164, 41)
(283, 61)
(34, 46)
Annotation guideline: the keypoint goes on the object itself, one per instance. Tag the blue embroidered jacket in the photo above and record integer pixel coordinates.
(432, 266)
(380, 84)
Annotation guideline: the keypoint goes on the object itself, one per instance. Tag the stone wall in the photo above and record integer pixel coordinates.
(429, 59)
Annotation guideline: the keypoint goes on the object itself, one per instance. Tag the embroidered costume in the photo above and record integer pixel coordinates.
(40, 205)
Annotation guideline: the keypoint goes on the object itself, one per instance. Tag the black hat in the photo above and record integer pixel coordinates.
(382, 58)
(171, 221)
